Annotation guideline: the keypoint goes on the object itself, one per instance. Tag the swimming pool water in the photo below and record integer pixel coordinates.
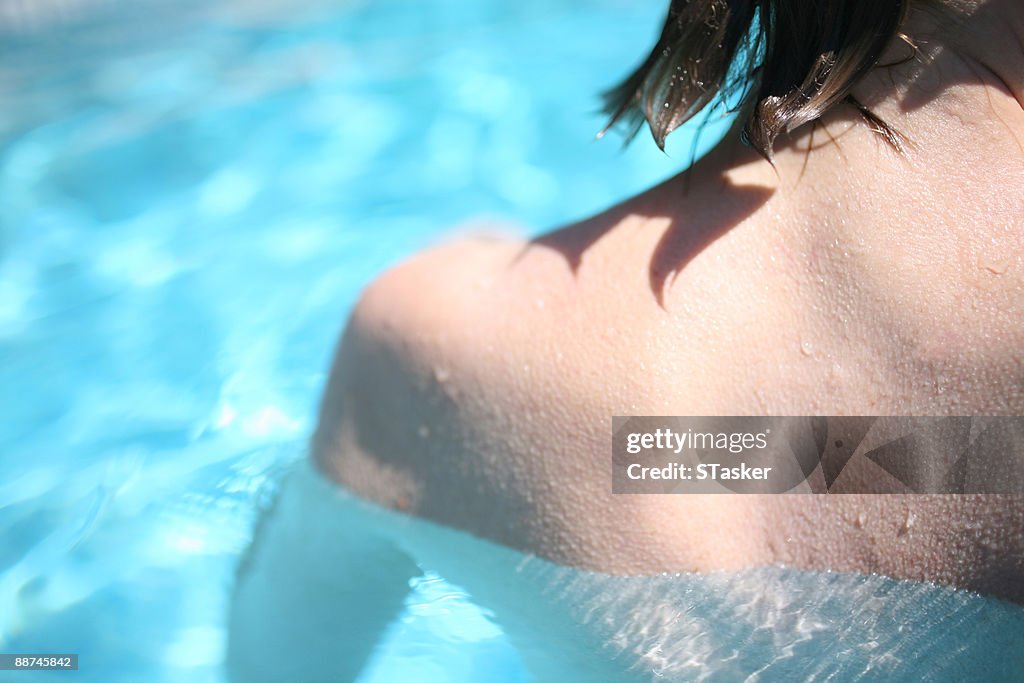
(191, 196)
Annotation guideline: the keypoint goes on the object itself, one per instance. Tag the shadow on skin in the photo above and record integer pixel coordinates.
(718, 205)
(924, 74)
(927, 75)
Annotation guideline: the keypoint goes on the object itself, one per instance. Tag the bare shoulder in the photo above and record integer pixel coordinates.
(474, 385)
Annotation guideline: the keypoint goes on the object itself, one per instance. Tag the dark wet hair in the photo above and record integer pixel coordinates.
(786, 62)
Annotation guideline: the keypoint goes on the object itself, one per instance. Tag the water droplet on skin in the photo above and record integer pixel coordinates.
(861, 520)
(908, 524)
(806, 348)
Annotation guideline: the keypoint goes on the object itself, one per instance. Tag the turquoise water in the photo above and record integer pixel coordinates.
(191, 196)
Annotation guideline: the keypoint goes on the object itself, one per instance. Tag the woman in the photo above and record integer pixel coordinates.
(855, 246)
(858, 273)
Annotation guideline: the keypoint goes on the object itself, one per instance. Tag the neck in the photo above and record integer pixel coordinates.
(953, 91)
(980, 35)
(955, 94)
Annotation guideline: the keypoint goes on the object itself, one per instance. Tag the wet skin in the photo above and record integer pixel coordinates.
(474, 384)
